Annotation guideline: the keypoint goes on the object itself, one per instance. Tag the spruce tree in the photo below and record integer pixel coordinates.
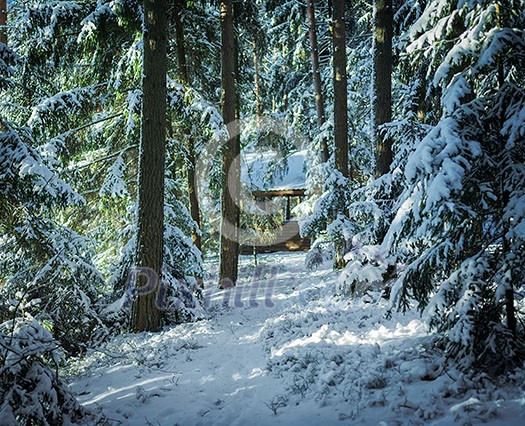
(146, 315)
(382, 92)
(316, 75)
(340, 89)
(230, 152)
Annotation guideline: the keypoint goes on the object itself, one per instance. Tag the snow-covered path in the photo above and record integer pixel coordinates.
(210, 372)
(282, 352)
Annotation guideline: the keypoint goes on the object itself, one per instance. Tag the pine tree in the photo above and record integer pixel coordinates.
(340, 121)
(257, 84)
(340, 89)
(230, 152)
(316, 74)
(190, 144)
(454, 215)
(146, 315)
(382, 93)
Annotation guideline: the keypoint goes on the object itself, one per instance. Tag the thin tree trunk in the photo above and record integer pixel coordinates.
(179, 37)
(190, 144)
(192, 193)
(3, 21)
(510, 310)
(314, 56)
(146, 315)
(258, 106)
(340, 106)
(382, 97)
(501, 73)
(230, 153)
(340, 88)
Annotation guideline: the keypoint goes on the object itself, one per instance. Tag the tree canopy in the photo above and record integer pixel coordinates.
(412, 114)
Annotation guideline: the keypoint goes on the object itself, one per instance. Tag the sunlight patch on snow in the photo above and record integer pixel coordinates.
(115, 391)
(414, 328)
(254, 337)
(119, 368)
(207, 379)
(256, 372)
(240, 390)
(320, 336)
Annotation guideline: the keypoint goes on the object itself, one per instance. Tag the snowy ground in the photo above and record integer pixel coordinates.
(286, 352)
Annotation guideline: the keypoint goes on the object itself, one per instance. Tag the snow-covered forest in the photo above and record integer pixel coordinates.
(262, 212)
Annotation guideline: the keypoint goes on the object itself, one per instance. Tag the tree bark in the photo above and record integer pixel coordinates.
(340, 89)
(230, 153)
(3, 21)
(179, 38)
(314, 57)
(193, 195)
(510, 310)
(340, 106)
(382, 95)
(146, 315)
(190, 143)
(258, 107)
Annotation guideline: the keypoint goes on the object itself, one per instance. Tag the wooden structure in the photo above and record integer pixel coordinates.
(287, 191)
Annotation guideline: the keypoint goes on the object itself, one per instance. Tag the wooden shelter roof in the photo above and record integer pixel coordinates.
(266, 174)
(279, 193)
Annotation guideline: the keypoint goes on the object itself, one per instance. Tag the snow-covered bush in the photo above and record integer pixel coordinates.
(31, 392)
(182, 298)
(368, 270)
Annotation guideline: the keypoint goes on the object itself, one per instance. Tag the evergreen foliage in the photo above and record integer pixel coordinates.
(451, 218)
(443, 232)
(69, 130)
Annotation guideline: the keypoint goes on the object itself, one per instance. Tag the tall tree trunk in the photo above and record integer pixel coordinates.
(230, 153)
(340, 88)
(3, 21)
(382, 95)
(190, 144)
(510, 310)
(258, 107)
(179, 37)
(314, 56)
(340, 106)
(146, 315)
(192, 193)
